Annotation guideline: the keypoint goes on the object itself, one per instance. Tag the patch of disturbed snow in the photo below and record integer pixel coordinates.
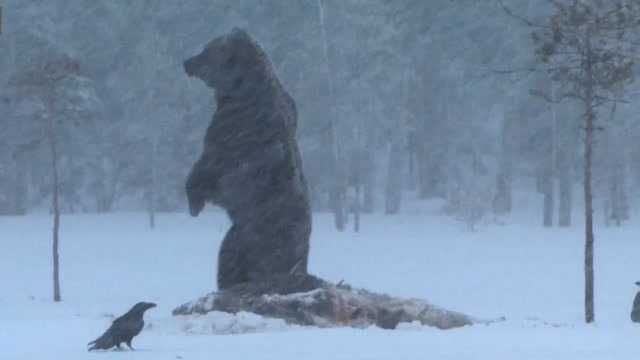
(531, 275)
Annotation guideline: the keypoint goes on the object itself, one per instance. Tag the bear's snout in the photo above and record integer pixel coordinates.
(190, 66)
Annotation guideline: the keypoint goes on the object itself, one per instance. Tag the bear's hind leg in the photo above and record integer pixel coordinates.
(231, 267)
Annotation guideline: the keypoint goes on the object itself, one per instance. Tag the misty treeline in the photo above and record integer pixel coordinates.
(397, 101)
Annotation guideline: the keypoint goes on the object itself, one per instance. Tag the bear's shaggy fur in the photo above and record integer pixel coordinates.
(251, 165)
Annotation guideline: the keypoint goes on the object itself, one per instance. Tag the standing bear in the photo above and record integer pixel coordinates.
(251, 167)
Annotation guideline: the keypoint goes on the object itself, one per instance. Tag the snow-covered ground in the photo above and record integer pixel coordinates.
(530, 275)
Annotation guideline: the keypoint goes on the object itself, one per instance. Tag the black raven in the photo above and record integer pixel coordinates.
(123, 329)
(635, 310)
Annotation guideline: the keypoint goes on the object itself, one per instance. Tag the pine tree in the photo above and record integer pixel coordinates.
(587, 48)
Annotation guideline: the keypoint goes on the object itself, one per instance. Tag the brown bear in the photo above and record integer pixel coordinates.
(251, 167)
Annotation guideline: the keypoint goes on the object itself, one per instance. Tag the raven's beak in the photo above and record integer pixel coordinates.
(638, 283)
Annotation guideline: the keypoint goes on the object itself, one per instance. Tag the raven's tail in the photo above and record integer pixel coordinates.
(104, 342)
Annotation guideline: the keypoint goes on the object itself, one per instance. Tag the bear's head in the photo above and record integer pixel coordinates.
(226, 61)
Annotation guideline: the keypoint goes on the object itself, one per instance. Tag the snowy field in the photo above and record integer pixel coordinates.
(530, 275)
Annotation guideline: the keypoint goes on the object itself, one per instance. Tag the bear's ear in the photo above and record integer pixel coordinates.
(239, 33)
(241, 36)
(241, 46)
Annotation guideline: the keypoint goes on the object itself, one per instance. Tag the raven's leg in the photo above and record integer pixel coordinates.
(129, 344)
(118, 347)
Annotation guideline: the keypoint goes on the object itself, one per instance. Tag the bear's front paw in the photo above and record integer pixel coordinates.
(195, 206)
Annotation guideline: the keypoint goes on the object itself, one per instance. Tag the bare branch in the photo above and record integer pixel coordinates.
(520, 18)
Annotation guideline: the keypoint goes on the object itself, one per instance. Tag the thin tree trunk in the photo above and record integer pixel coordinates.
(423, 183)
(151, 198)
(617, 202)
(422, 159)
(566, 148)
(70, 195)
(549, 165)
(152, 213)
(621, 174)
(589, 237)
(618, 197)
(623, 192)
(56, 209)
(100, 190)
(502, 203)
(565, 195)
(395, 169)
(357, 179)
(588, 194)
(431, 171)
(393, 193)
(21, 188)
(412, 155)
(336, 196)
(368, 205)
(356, 210)
(548, 190)
(611, 201)
(368, 180)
